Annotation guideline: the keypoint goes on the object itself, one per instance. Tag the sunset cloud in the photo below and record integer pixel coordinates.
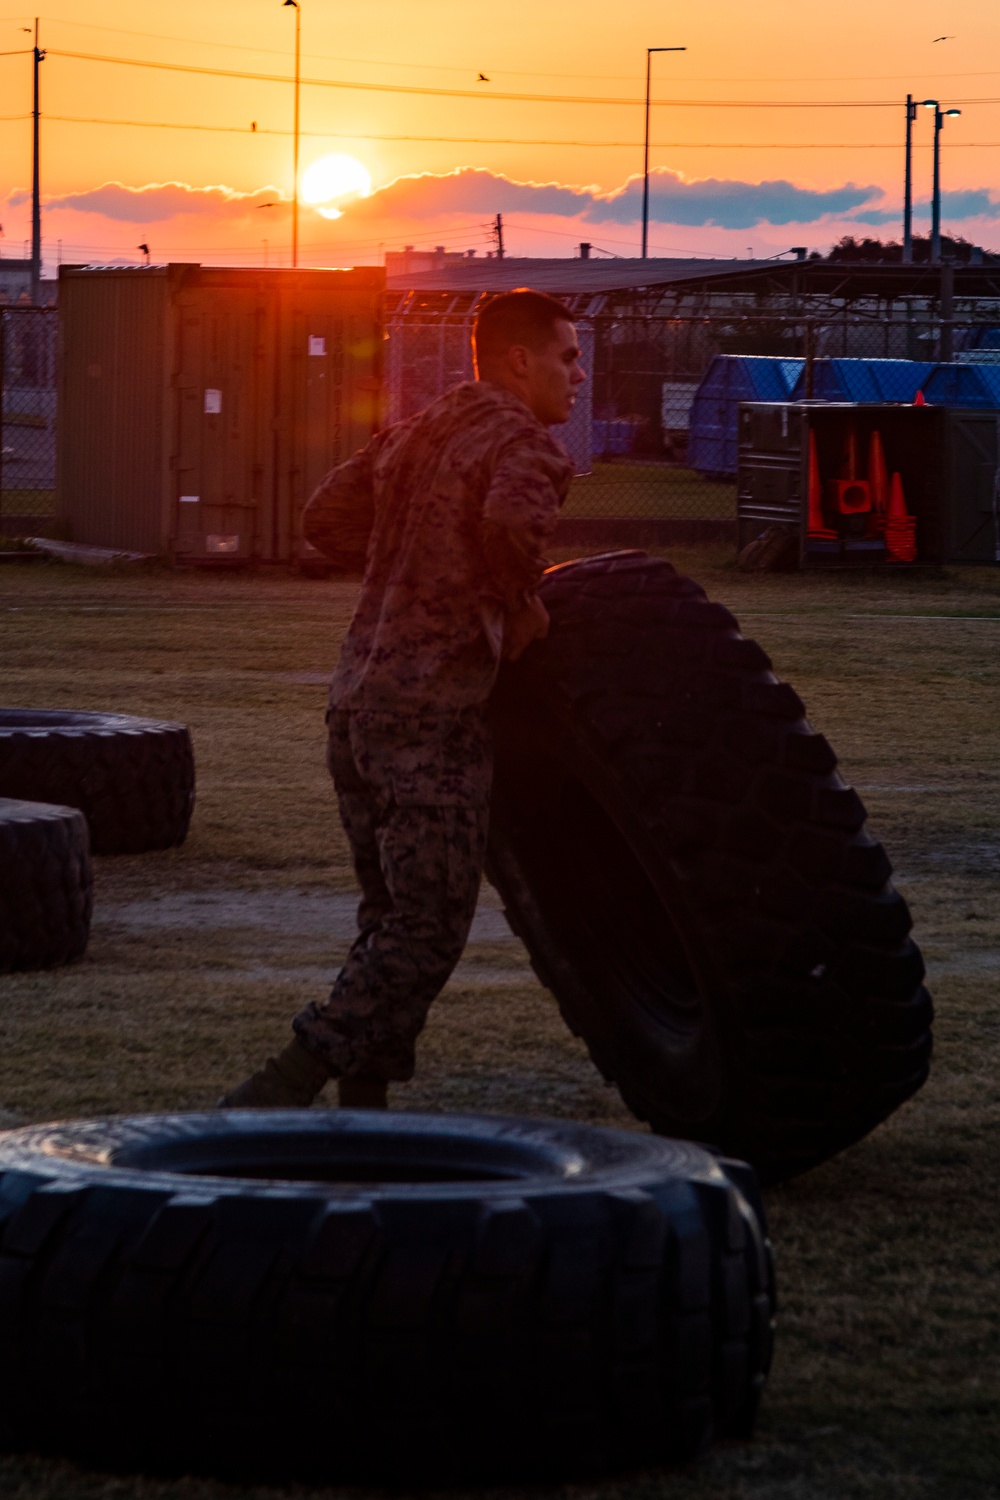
(967, 203)
(159, 201)
(411, 204)
(673, 199)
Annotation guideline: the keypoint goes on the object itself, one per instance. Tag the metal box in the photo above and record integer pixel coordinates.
(811, 469)
(199, 405)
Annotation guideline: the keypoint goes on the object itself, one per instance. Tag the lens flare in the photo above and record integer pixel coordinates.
(333, 181)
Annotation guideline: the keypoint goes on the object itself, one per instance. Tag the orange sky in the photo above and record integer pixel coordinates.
(770, 51)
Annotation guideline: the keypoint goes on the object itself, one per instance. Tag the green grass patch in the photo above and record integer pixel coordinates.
(27, 502)
(649, 492)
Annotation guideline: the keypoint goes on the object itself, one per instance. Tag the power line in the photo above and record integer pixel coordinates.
(405, 88)
(474, 140)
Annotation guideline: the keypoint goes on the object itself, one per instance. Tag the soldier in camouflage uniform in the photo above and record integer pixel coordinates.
(448, 513)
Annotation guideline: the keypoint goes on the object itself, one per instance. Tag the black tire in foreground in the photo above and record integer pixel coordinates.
(356, 1293)
(46, 885)
(693, 879)
(133, 779)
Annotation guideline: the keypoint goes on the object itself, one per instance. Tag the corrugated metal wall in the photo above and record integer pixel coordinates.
(200, 405)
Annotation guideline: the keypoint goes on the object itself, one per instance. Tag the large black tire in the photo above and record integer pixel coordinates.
(46, 885)
(133, 779)
(346, 1292)
(692, 878)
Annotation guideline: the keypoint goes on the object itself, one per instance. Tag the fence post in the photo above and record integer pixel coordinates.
(947, 339)
(810, 354)
(3, 400)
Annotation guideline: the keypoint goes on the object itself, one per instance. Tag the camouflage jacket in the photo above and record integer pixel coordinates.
(449, 513)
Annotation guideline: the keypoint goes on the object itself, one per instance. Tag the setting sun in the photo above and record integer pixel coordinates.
(333, 180)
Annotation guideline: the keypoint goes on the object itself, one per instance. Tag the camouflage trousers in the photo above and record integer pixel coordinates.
(414, 801)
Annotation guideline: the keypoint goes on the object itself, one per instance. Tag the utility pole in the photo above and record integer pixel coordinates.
(645, 147)
(36, 202)
(911, 115)
(295, 131)
(498, 235)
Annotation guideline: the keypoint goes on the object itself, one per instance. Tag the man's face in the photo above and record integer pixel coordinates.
(552, 375)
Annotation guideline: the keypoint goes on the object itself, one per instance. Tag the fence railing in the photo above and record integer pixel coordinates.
(28, 380)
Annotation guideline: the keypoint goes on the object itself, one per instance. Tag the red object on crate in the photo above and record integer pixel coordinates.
(918, 399)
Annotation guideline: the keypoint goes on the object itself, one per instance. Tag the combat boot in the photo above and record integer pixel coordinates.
(362, 1093)
(289, 1081)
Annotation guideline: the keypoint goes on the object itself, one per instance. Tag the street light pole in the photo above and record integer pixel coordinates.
(911, 115)
(36, 201)
(295, 149)
(940, 115)
(645, 147)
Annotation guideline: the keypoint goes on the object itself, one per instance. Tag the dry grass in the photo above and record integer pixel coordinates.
(885, 1383)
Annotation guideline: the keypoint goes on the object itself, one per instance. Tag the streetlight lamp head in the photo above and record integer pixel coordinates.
(927, 103)
(295, 3)
(953, 112)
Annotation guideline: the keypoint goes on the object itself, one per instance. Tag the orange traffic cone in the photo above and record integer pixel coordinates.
(897, 501)
(900, 526)
(878, 474)
(816, 522)
(918, 399)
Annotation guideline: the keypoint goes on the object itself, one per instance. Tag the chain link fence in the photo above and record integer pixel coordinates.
(660, 407)
(654, 434)
(28, 378)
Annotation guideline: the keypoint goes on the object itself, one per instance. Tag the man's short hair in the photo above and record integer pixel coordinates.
(521, 317)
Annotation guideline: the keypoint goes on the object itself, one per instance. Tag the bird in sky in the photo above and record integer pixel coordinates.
(944, 39)
(482, 78)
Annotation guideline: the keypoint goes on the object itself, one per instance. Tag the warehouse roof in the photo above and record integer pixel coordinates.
(565, 274)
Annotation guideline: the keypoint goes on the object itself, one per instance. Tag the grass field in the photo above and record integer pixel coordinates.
(885, 1385)
(649, 491)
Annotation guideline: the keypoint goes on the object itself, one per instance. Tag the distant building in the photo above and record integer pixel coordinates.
(410, 262)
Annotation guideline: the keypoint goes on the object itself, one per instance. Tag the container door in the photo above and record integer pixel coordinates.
(329, 394)
(972, 523)
(222, 424)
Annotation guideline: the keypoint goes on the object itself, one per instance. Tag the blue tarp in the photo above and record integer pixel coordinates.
(866, 380)
(964, 385)
(730, 379)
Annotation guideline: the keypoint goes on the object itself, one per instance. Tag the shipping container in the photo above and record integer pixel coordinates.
(199, 405)
(865, 484)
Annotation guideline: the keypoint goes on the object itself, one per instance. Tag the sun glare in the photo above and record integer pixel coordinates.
(334, 180)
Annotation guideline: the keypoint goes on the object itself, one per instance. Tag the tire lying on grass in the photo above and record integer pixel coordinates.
(133, 779)
(349, 1292)
(692, 878)
(46, 885)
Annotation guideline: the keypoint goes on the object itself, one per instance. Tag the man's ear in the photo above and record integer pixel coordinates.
(518, 358)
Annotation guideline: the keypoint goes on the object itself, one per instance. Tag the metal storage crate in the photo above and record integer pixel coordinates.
(946, 461)
(198, 406)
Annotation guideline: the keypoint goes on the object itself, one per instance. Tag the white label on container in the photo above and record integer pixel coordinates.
(222, 543)
(213, 402)
(190, 499)
(317, 344)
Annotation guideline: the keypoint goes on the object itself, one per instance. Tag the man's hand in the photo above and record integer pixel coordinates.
(529, 622)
